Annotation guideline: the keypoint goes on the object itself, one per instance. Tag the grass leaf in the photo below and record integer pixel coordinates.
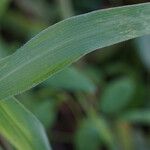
(20, 127)
(62, 44)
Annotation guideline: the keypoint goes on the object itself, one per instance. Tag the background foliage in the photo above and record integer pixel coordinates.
(102, 101)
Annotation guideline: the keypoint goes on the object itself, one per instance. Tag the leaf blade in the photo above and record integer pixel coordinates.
(20, 127)
(62, 44)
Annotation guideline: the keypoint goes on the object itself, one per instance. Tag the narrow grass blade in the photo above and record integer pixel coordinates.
(20, 127)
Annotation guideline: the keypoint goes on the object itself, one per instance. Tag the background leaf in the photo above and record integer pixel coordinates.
(144, 50)
(137, 116)
(71, 79)
(87, 133)
(95, 131)
(117, 95)
(3, 6)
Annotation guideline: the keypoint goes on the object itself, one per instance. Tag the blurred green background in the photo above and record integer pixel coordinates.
(102, 102)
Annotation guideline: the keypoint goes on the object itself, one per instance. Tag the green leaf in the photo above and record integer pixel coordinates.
(3, 52)
(3, 6)
(87, 137)
(44, 109)
(62, 44)
(144, 50)
(46, 113)
(117, 95)
(137, 116)
(104, 131)
(13, 20)
(93, 132)
(71, 79)
(66, 8)
(38, 8)
(3, 61)
(20, 127)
